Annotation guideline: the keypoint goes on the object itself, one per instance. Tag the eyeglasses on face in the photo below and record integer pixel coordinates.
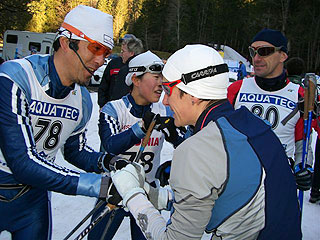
(153, 68)
(95, 47)
(168, 86)
(263, 51)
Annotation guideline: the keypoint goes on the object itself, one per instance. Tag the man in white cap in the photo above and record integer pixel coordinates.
(123, 123)
(224, 179)
(45, 107)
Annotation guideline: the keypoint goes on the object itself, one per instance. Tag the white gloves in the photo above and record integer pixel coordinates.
(128, 181)
(160, 196)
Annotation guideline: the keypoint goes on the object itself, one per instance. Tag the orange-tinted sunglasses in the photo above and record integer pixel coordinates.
(95, 47)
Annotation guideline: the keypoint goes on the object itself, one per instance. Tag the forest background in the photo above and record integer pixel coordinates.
(168, 25)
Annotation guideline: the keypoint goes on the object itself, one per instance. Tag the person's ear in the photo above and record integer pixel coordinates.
(194, 100)
(283, 57)
(135, 80)
(64, 43)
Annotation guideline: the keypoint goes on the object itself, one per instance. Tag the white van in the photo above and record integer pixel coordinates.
(18, 44)
(96, 79)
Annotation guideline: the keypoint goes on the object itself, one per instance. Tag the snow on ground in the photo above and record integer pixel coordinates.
(68, 211)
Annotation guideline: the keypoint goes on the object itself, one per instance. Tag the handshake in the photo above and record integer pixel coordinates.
(129, 180)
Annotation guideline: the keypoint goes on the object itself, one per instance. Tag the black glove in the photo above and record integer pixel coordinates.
(147, 119)
(303, 177)
(114, 197)
(167, 127)
(110, 162)
(163, 173)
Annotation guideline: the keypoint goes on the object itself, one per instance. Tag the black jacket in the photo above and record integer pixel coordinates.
(113, 84)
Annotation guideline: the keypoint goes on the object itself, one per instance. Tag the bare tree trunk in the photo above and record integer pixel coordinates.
(202, 20)
(146, 37)
(178, 23)
(285, 12)
(315, 44)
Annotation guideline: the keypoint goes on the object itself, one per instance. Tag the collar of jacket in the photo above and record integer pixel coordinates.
(56, 89)
(272, 84)
(129, 59)
(138, 110)
(212, 113)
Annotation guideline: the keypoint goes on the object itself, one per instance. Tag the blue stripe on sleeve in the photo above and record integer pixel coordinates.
(89, 179)
(244, 175)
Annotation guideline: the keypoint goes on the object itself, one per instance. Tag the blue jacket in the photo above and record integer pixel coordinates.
(17, 143)
(244, 133)
(242, 72)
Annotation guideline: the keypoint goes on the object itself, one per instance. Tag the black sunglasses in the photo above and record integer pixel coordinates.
(263, 51)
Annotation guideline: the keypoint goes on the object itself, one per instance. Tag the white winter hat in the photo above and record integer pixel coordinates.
(92, 22)
(202, 70)
(144, 62)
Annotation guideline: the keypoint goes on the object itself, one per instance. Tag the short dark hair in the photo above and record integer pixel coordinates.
(56, 44)
(295, 66)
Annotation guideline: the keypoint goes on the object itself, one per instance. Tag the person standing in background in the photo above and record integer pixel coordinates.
(112, 84)
(242, 72)
(295, 70)
(271, 96)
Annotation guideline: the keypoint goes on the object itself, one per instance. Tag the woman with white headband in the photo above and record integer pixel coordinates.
(123, 123)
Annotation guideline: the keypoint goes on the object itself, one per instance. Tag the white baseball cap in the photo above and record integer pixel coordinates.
(142, 63)
(92, 22)
(201, 69)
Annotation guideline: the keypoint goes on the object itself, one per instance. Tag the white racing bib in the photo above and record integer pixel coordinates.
(53, 120)
(273, 107)
(150, 157)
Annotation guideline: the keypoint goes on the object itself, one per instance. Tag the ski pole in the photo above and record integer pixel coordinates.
(105, 211)
(113, 213)
(141, 149)
(307, 118)
(146, 138)
(100, 203)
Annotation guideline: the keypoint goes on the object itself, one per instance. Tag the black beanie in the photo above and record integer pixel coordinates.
(274, 37)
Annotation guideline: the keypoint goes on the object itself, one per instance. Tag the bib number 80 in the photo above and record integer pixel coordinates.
(271, 114)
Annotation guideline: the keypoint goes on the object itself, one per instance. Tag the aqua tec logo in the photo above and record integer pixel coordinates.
(265, 98)
(53, 110)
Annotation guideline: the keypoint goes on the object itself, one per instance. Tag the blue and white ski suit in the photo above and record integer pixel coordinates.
(39, 116)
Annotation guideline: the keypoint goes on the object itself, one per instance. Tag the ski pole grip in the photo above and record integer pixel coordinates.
(312, 90)
(149, 131)
(306, 103)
